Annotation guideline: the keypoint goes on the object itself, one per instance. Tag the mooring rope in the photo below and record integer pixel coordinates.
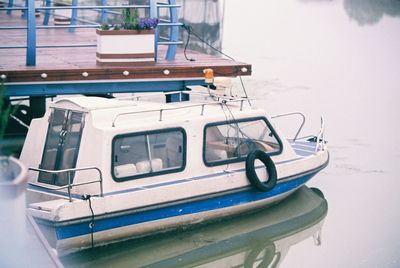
(91, 223)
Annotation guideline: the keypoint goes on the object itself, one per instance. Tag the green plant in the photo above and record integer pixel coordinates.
(105, 26)
(5, 109)
(131, 21)
(130, 18)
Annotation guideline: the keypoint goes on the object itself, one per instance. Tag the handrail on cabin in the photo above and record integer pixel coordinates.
(70, 184)
(31, 27)
(216, 100)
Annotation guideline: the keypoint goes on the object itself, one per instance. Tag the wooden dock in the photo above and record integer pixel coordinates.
(74, 70)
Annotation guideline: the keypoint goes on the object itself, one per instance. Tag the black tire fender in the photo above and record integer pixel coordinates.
(264, 250)
(270, 168)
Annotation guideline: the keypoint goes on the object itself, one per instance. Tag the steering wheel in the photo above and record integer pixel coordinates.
(248, 144)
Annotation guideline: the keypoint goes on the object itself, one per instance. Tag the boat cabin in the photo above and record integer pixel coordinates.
(135, 143)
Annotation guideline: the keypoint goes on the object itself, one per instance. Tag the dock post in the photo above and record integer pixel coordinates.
(31, 35)
(153, 9)
(74, 15)
(154, 15)
(24, 16)
(174, 31)
(10, 4)
(104, 15)
(47, 13)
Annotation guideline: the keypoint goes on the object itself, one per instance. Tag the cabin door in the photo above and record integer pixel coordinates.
(62, 146)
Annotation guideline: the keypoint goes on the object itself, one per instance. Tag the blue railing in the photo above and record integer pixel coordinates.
(153, 8)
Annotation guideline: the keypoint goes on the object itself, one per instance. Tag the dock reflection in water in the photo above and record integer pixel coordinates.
(254, 240)
(369, 12)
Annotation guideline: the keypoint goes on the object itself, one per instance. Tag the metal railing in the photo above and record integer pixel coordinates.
(290, 114)
(216, 100)
(321, 137)
(30, 10)
(70, 185)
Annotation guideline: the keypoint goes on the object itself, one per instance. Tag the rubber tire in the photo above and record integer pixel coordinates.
(253, 256)
(252, 175)
(318, 192)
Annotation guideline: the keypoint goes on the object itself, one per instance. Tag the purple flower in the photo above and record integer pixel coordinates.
(146, 23)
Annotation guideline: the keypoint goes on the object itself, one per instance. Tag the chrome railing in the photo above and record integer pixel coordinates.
(217, 100)
(321, 137)
(70, 185)
(303, 121)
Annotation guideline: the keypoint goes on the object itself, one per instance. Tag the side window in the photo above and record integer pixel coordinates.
(233, 140)
(148, 154)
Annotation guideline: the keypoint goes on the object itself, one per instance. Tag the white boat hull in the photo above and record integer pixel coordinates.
(70, 236)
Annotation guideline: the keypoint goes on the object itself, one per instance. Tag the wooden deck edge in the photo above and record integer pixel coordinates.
(121, 73)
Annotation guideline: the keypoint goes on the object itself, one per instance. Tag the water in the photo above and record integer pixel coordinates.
(339, 59)
(263, 237)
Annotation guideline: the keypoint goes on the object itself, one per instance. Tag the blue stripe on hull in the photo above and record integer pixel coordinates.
(225, 201)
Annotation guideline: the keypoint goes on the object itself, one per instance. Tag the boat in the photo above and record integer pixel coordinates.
(106, 170)
(264, 237)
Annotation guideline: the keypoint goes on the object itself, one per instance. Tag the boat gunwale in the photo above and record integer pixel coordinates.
(110, 215)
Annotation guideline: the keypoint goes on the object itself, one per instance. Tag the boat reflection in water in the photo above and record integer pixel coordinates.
(253, 240)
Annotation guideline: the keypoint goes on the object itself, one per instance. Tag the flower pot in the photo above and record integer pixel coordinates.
(125, 46)
(13, 180)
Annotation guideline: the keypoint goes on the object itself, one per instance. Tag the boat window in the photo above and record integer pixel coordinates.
(231, 141)
(61, 147)
(148, 154)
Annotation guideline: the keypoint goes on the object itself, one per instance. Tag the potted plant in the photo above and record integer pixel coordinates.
(132, 41)
(13, 180)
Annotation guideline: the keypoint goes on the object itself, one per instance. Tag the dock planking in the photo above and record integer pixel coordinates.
(63, 65)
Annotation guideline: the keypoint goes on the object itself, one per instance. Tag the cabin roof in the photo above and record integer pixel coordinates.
(107, 113)
(86, 104)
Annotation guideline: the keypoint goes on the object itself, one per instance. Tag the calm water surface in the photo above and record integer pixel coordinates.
(339, 59)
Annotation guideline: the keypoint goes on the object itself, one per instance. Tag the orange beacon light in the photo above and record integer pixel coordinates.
(208, 75)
